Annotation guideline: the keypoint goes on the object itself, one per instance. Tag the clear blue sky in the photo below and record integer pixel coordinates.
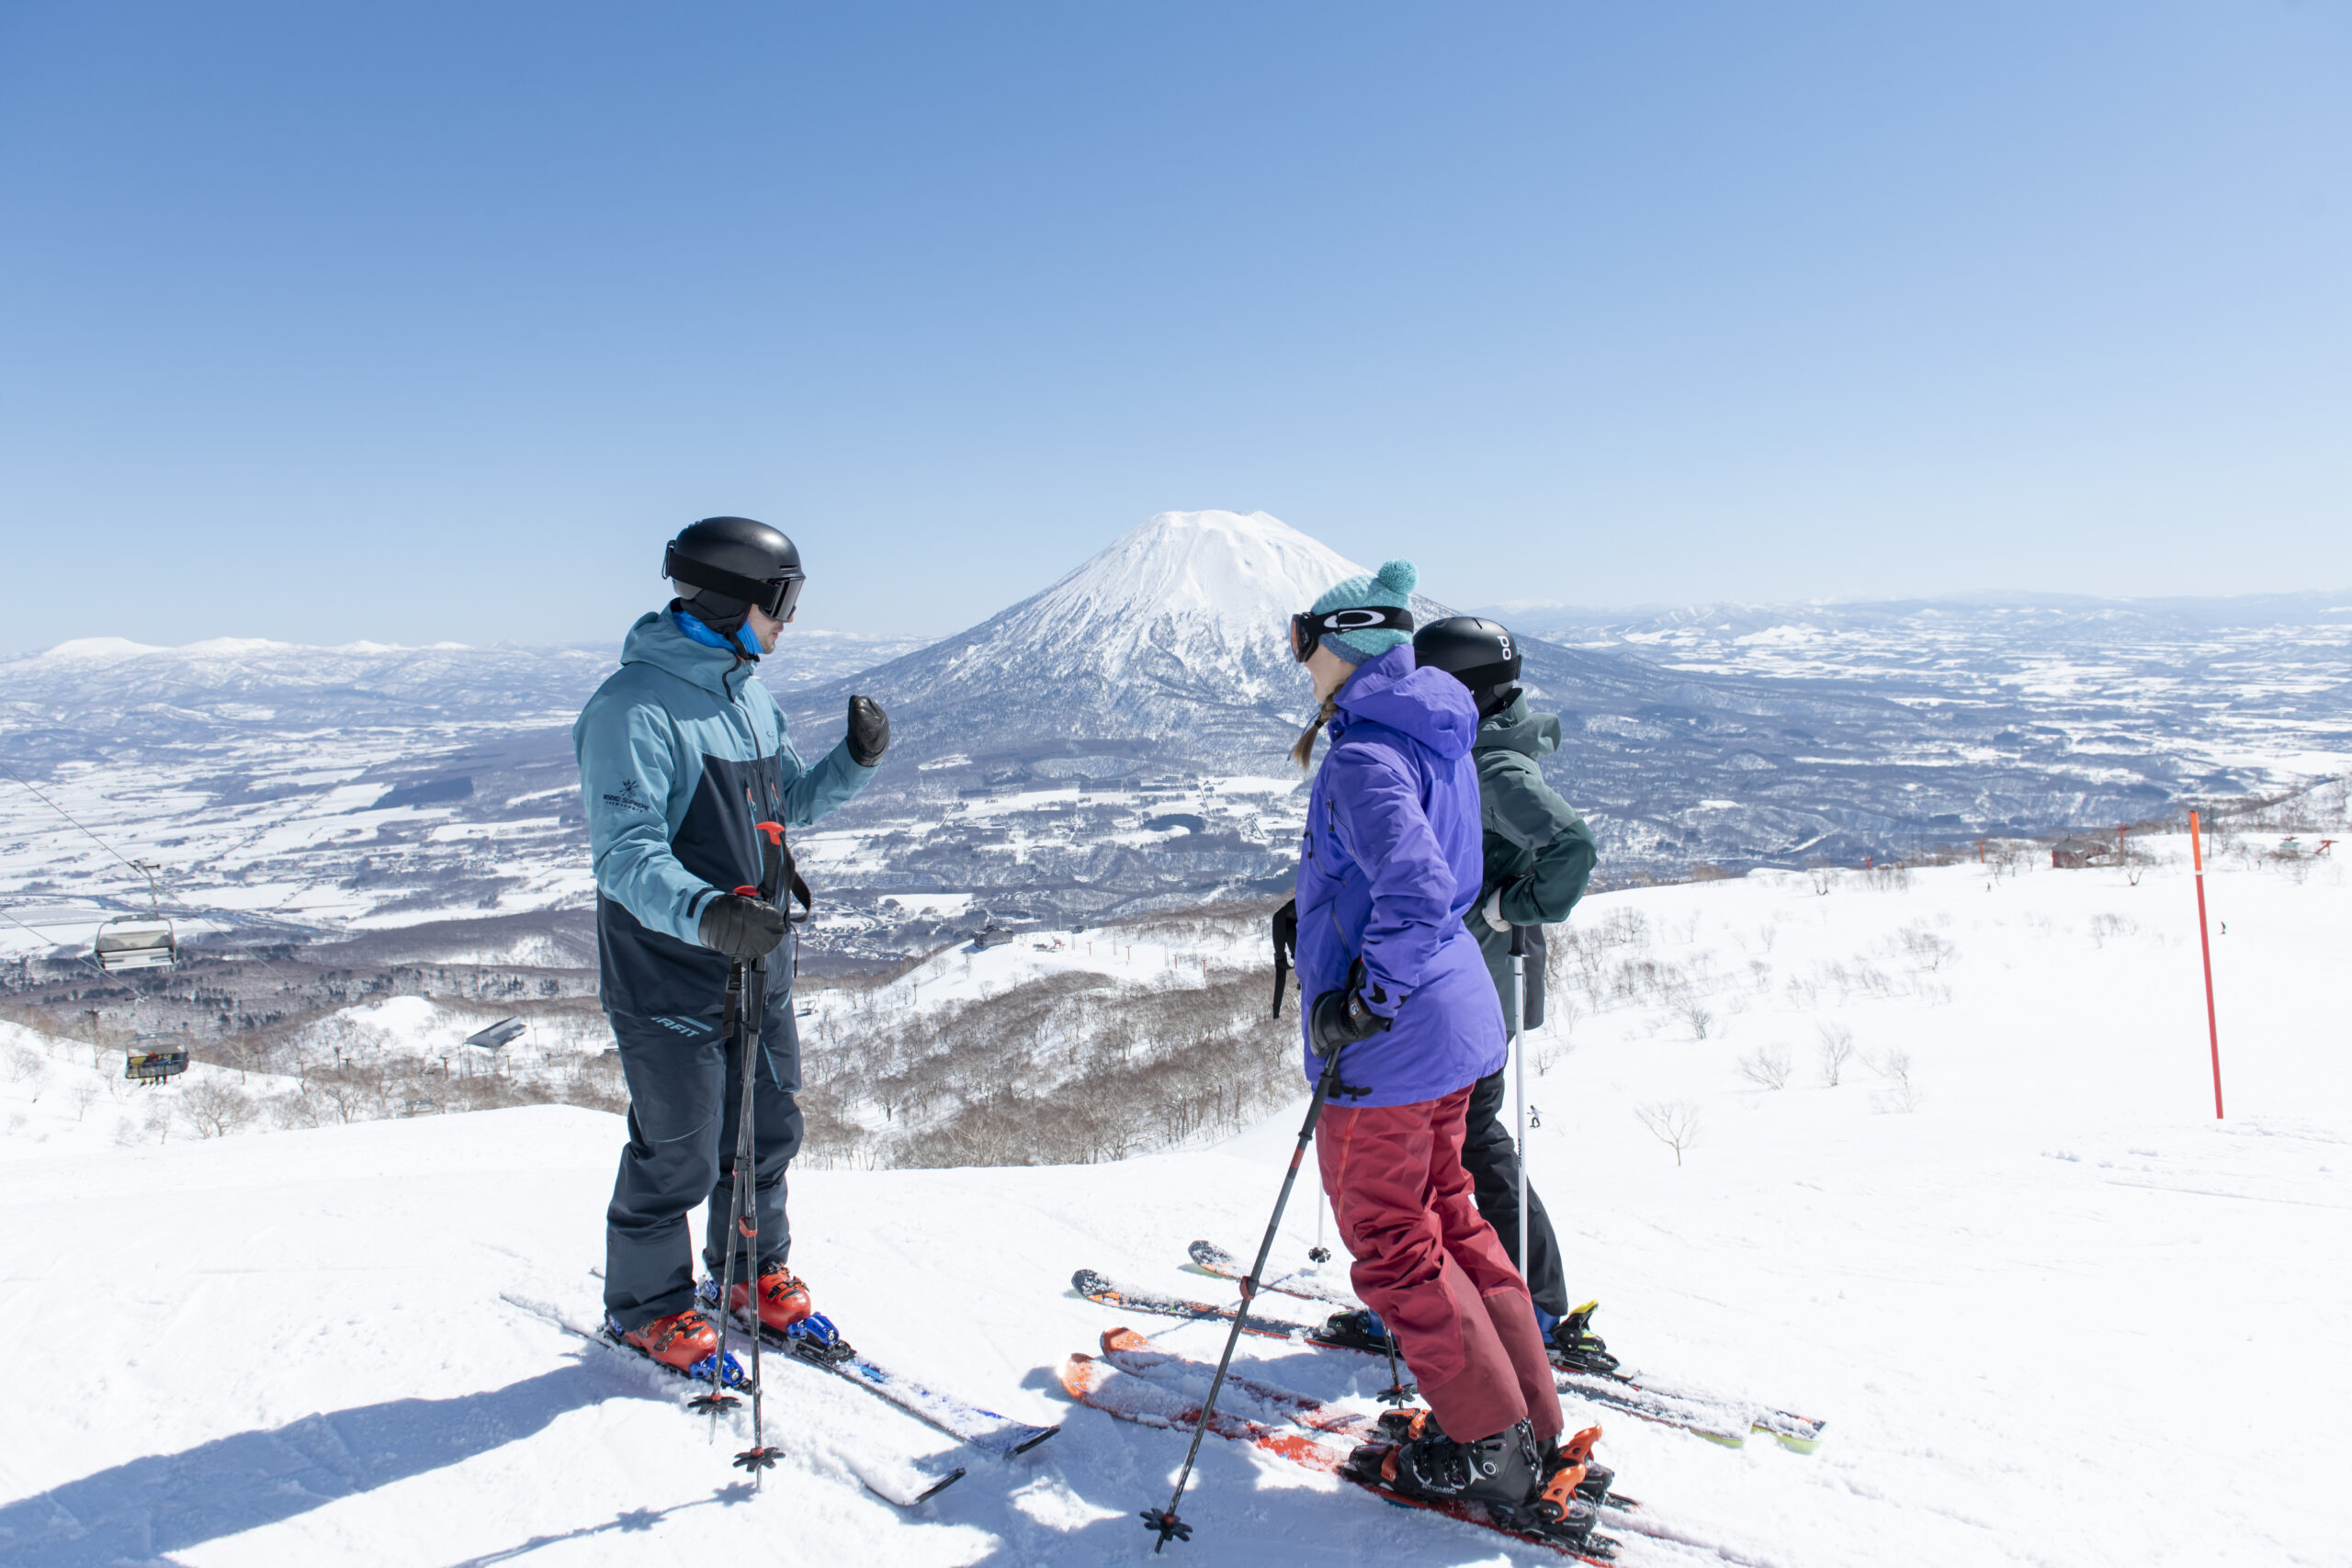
(422, 321)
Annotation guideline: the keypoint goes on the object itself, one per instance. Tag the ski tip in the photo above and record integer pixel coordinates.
(1025, 1444)
(1791, 1441)
(942, 1485)
(1078, 1374)
(1089, 1284)
(938, 1484)
(1209, 1254)
(1123, 1339)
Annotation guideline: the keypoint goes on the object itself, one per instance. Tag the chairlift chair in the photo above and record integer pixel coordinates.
(135, 942)
(155, 1057)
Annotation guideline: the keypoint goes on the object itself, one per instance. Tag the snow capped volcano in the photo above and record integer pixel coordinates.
(1176, 632)
(1195, 592)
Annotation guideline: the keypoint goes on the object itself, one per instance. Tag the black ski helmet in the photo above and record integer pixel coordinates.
(1481, 654)
(723, 566)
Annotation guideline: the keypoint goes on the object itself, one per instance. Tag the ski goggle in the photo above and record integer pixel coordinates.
(1307, 628)
(774, 597)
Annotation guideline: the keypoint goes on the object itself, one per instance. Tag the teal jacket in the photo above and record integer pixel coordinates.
(681, 751)
(1538, 850)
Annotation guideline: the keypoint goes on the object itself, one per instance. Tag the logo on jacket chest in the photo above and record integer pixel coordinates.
(630, 796)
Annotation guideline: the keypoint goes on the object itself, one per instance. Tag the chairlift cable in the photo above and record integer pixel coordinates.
(79, 957)
(109, 848)
(143, 868)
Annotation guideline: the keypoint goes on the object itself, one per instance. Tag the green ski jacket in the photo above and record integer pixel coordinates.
(1538, 850)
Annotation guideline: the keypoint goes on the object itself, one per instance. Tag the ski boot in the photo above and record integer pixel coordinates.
(1422, 1461)
(1527, 1488)
(682, 1341)
(786, 1318)
(1574, 1347)
(783, 1298)
(1357, 1331)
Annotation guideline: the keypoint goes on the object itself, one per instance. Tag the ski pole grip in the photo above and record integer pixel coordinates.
(771, 859)
(1518, 941)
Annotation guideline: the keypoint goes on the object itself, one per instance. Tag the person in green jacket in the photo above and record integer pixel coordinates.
(1539, 856)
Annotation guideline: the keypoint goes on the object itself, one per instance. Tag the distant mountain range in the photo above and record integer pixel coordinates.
(1118, 740)
(1163, 659)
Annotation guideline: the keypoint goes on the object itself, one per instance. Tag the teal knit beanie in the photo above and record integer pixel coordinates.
(1391, 588)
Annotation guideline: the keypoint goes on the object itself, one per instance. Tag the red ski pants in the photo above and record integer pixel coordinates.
(1432, 1268)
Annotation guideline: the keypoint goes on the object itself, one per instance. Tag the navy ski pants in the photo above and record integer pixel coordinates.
(684, 1095)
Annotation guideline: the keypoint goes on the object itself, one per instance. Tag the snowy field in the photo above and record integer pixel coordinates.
(2051, 1310)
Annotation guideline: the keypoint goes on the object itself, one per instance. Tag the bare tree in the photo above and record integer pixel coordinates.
(1673, 1123)
(85, 1093)
(216, 1109)
(1696, 1016)
(1900, 1093)
(1766, 1067)
(1837, 1049)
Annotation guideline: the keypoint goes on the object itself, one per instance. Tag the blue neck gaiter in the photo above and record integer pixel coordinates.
(743, 642)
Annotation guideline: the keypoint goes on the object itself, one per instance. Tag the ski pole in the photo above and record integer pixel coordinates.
(759, 1456)
(1518, 1074)
(1164, 1520)
(719, 1399)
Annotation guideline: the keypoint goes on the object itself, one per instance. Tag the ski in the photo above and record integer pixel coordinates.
(1096, 1288)
(815, 1342)
(1212, 1260)
(901, 1484)
(1101, 1385)
(1716, 1424)
(1596, 1377)
(735, 1378)
(1132, 1352)
(1271, 1405)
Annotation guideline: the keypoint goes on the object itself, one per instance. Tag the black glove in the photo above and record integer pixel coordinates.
(869, 732)
(1340, 1018)
(1285, 948)
(744, 929)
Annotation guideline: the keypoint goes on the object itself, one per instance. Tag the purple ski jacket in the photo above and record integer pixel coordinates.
(1390, 864)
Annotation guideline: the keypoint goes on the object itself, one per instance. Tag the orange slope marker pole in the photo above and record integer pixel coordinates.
(2212, 1028)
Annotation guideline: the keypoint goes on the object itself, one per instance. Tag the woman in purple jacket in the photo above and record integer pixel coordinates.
(1390, 864)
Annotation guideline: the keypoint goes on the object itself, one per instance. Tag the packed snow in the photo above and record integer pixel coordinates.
(2052, 1311)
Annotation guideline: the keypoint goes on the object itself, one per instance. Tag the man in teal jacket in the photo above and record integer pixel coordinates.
(1539, 855)
(681, 753)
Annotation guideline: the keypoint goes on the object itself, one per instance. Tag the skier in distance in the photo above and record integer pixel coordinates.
(1388, 868)
(1539, 856)
(681, 753)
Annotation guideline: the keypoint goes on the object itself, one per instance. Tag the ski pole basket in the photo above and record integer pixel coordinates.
(135, 942)
(155, 1058)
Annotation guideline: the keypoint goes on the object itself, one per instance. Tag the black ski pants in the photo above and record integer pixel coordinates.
(1489, 1156)
(686, 1085)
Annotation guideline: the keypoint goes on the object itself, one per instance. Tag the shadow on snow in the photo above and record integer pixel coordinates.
(138, 1511)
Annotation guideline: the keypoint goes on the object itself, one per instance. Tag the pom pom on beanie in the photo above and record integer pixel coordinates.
(1391, 586)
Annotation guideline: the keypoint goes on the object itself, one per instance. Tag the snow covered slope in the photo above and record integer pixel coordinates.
(2054, 1313)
